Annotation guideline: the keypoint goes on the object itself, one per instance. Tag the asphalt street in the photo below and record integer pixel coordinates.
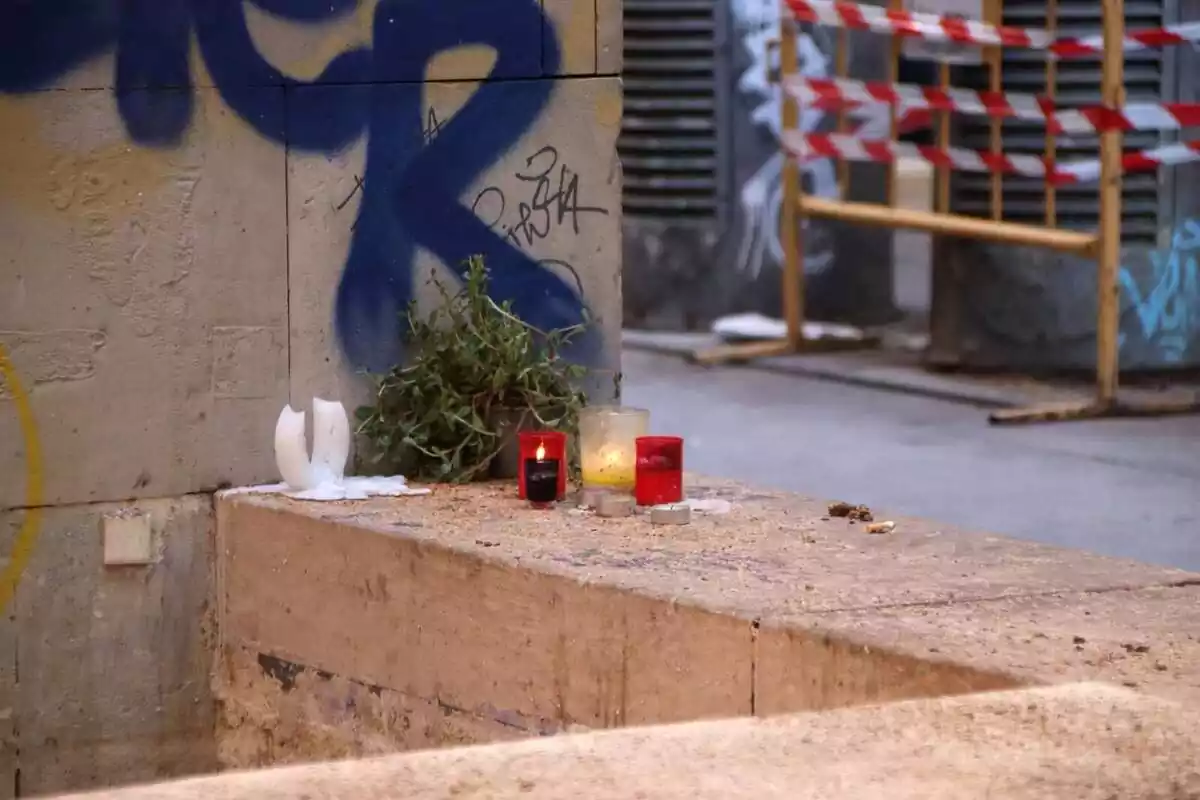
(1120, 487)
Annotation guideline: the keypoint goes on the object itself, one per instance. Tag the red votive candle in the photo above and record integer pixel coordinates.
(659, 470)
(554, 448)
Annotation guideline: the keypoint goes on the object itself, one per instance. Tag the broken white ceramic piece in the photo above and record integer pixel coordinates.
(380, 486)
(348, 489)
(323, 476)
(331, 440)
(291, 450)
(331, 448)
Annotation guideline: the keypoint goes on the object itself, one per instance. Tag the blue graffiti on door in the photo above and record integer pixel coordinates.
(1167, 305)
(412, 184)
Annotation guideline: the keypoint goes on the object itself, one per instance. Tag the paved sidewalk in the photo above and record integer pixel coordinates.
(1120, 487)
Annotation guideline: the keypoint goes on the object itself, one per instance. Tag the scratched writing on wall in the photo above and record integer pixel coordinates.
(416, 174)
(1165, 299)
(550, 200)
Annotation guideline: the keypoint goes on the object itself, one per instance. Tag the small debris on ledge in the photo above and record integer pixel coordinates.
(881, 527)
(852, 513)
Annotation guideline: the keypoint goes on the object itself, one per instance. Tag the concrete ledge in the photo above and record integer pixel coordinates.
(1079, 742)
(465, 617)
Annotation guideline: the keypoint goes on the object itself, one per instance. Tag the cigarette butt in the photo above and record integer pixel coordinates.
(881, 527)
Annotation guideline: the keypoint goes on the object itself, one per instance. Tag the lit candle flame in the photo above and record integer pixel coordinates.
(541, 452)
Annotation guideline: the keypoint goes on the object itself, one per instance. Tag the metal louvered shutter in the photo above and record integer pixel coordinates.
(668, 143)
(1077, 83)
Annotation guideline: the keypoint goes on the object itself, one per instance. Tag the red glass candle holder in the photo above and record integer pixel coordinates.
(553, 446)
(659, 472)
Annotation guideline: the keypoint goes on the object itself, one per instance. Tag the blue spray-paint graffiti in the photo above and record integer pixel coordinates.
(1167, 305)
(412, 183)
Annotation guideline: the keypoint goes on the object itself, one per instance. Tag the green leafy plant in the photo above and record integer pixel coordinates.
(472, 367)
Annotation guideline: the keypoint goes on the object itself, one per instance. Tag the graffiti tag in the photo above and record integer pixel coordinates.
(417, 166)
(1167, 305)
(552, 202)
(762, 193)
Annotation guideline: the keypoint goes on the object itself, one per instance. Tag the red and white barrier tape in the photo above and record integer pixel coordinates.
(1144, 39)
(833, 145)
(832, 93)
(1168, 155)
(945, 29)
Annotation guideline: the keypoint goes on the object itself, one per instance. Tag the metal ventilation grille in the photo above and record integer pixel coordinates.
(668, 143)
(1077, 83)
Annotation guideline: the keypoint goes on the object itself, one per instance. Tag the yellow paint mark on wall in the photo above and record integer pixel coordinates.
(22, 549)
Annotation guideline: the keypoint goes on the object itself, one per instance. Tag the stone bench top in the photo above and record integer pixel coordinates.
(772, 555)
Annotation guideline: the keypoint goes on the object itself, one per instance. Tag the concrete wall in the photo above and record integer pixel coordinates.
(1006, 308)
(683, 275)
(207, 210)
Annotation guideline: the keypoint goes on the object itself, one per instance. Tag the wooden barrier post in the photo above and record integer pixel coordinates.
(1108, 251)
(789, 226)
(1108, 262)
(791, 229)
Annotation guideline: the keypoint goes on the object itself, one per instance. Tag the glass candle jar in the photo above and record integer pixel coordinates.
(543, 446)
(659, 470)
(608, 446)
(540, 479)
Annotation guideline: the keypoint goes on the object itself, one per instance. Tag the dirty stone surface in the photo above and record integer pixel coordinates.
(774, 607)
(312, 715)
(1146, 639)
(773, 553)
(1077, 741)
